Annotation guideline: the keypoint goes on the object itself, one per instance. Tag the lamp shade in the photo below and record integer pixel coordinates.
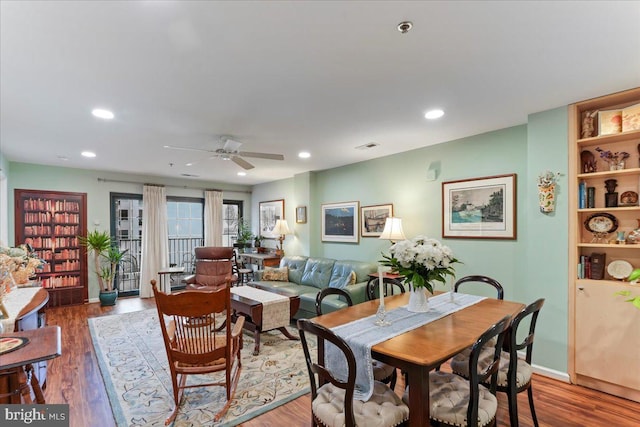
(281, 228)
(393, 229)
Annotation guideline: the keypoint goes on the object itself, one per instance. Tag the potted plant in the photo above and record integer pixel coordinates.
(106, 258)
(245, 236)
(633, 278)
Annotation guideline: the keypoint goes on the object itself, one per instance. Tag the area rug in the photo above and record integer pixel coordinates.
(133, 363)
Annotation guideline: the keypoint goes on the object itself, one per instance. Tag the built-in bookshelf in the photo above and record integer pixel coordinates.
(51, 221)
(603, 218)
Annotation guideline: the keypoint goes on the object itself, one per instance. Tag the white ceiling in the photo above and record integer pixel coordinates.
(282, 77)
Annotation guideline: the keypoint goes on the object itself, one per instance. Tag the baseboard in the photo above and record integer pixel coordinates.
(94, 300)
(548, 372)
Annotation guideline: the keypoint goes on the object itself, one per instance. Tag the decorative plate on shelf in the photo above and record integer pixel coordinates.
(619, 269)
(601, 223)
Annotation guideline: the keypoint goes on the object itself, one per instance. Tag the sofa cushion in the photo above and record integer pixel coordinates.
(341, 275)
(284, 288)
(295, 264)
(276, 274)
(317, 272)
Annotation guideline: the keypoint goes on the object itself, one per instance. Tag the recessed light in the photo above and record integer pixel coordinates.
(102, 113)
(89, 154)
(304, 154)
(188, 164)
(242, 174)
(434, 114)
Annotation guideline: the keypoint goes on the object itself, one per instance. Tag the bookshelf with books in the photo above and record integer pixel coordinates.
(604, 182)
(51, 221)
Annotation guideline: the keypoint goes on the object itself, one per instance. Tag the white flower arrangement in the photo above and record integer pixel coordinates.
(548, 178)
(421, 261)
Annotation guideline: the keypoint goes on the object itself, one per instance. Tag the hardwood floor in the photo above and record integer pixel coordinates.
(74, 378)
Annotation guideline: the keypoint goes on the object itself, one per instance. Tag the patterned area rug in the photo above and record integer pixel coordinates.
(133, 363)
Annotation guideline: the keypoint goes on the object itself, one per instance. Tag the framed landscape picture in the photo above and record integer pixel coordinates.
(340, 222)
(270, 212)
(480, 208)
(372, 219)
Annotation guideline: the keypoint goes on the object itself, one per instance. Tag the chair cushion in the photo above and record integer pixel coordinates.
(276, 274)
(384, 408)
(460, 365)
(449, 398)
(381, 371)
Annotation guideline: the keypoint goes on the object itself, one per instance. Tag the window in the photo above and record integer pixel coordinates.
(231, 213)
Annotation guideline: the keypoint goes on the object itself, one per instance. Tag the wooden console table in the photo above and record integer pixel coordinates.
(17, 379)
(261, 260)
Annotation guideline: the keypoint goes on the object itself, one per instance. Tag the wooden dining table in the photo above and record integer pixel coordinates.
(423, 349)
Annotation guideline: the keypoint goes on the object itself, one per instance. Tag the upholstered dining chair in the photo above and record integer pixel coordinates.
(213, 265)
(199, 338)
(332, 403)
(457, 401)
(392, 287)
(381, 371)
(514, 374)
(481, 279)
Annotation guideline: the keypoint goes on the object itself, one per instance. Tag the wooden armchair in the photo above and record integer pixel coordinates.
(200, 339)
(213, 265)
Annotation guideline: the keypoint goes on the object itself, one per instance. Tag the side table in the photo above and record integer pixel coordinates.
(391, 278)
(16, 369)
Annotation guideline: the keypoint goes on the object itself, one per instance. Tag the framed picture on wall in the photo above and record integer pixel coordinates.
(480, 208)
(372, 219)
(270, 212)
(340, 222)
(301, 215)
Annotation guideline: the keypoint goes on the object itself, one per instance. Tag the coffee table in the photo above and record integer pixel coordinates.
(252, 310)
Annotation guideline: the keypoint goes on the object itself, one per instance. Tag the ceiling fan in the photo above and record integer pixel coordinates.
(230, 150)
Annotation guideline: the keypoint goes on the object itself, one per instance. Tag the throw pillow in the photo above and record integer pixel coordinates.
(276, 274)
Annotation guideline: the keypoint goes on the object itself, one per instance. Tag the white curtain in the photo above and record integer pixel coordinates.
(155, 238)
(213, 218)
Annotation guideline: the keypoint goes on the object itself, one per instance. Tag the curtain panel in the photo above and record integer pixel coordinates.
(155, 238)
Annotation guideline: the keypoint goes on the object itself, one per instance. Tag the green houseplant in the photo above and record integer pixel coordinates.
(106, 258)
(245, 236)
(633, 277)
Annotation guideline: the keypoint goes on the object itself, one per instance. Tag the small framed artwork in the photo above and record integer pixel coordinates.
(270, 212)
(372, 219)
(301, 215)
(480, 208)
(340, 222)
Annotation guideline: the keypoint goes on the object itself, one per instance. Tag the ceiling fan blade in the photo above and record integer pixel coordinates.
(261, 155)
(172, 147)
(241, 162)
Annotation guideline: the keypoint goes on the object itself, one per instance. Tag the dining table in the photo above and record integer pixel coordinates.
(426, 347)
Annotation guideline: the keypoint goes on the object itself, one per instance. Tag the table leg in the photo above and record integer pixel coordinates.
(256, 337)
(35, 385)
(419, 404)
(287, 334)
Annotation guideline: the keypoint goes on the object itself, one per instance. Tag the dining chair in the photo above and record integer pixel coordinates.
(332, 402)
(381, 371)
(199, 338)
(514, 374)
(243, 273)
(391, 287)
(457, 401)
(481, 279)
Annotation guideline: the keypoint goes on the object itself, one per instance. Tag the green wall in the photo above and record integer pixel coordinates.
(39, 177)
(530, 267)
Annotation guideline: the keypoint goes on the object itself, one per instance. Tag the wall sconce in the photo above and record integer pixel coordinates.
(282, 229)
(393, 230)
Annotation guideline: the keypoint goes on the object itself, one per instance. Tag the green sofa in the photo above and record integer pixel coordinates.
(309, 275)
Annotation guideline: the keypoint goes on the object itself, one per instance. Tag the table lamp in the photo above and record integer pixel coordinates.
(282, 229)
(393, 230)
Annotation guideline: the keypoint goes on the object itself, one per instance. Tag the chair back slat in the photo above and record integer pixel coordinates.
(331, 291)
(393, 287)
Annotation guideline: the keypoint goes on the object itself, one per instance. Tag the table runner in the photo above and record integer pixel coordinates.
(275, 307)
(15, 301)
(362, 334)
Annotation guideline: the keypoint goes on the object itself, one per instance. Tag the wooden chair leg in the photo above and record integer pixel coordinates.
(512, 396)
(533, 410)
(394, 378)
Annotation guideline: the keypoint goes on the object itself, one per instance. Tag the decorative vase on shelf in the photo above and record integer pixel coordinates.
(418, 300)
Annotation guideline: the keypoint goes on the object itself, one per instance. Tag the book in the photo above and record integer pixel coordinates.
(582, 195)
(631, 118)
(609, 122)
(597, 266)
(591, 197)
